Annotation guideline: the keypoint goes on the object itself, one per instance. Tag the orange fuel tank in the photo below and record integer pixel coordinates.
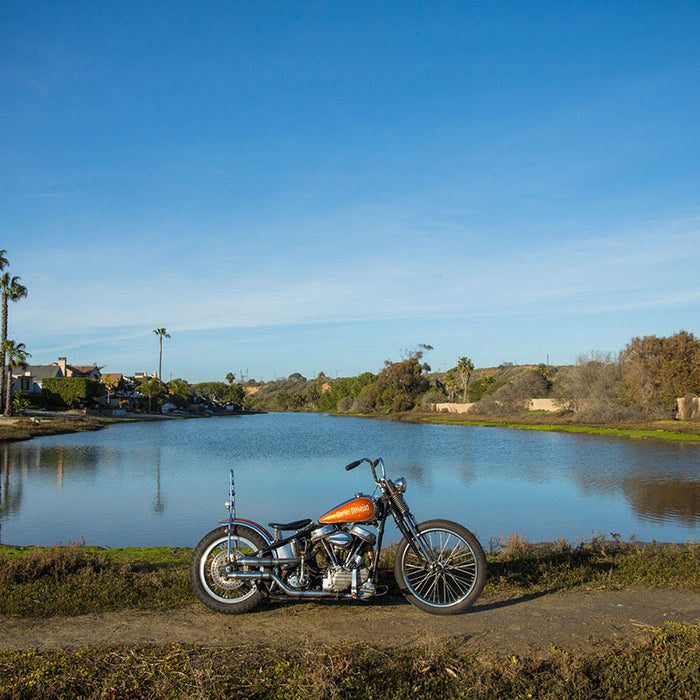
(361, 509)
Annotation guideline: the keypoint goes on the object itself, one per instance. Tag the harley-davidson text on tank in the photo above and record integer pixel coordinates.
(361, 509)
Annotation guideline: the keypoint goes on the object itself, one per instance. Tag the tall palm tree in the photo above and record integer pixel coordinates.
(12, 290)
(4, 262)
(465, 367)
(161, 333)
(17, 356)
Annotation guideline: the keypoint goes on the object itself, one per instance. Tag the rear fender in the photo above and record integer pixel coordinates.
(253, 526)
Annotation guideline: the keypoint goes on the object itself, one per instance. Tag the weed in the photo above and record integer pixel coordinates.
(664, 664)
(42, 582)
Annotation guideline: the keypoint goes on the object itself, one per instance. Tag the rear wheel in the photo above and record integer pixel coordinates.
(453, 580)
(211, 565)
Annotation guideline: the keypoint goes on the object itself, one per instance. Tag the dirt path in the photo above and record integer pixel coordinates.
(567, 620)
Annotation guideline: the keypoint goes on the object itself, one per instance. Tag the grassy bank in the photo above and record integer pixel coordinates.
(44, 582)
(664, 664)
(25, 428)
(54, 581)
(678, 431)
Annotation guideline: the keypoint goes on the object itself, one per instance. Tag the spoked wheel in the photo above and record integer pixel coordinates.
(453, 580)
(211, 564)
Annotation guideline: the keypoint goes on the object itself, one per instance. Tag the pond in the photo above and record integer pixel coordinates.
(165, 482)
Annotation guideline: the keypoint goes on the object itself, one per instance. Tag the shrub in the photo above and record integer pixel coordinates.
(71, 391)
(430, 398)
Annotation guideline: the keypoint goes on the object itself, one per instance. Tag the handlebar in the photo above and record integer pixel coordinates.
(372, 464)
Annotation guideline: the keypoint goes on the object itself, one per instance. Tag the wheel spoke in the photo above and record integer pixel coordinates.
(215, 575)
(450, 576)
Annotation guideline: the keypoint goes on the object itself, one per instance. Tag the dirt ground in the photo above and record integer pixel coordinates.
(529, 624)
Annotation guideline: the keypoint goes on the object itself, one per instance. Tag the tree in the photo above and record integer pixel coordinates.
(399, 383)
(592, 388)
(465, 367)
(230, 377)
(220, 393)
(657, 371)
(152, 388)
(180, 392)
(110, 384)
(17, 355)
(12, 290)
(448, 381)
(161, 333)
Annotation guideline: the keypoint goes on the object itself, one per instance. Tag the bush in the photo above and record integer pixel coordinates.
(430, 398)
(345, 404)
(514, 397)
(71, 391)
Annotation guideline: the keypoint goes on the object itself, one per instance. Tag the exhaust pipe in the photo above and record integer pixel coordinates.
(266, 561)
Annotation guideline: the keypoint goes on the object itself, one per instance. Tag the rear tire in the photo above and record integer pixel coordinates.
(451, 583)
(208, 570)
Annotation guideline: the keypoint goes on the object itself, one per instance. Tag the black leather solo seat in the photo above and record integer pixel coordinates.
(296, 525)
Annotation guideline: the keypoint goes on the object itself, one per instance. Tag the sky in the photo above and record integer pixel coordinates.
(323, 186)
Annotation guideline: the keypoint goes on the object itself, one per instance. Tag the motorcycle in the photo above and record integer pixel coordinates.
(439, 565)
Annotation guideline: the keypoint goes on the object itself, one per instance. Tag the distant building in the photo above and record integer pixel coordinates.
(29, 380)
(84, 371)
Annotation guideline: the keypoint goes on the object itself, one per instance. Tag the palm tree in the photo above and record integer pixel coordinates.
(161, 333)
(151, 388)
(465, 367)
(12, 290)
(17, 356)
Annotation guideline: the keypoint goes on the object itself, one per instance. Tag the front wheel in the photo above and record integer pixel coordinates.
(211, 564)
(454, 577)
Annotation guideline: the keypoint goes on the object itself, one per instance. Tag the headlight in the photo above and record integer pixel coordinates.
(400, 485)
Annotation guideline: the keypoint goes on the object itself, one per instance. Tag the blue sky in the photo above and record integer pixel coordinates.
(319, 186)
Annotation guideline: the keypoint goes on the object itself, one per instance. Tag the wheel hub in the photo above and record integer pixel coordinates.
(220, 568)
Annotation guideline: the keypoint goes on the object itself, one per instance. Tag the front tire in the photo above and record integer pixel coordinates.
(208, 570)
(454, 580)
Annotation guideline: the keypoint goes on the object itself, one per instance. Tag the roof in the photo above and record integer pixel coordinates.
(85, 369)
(38, 371)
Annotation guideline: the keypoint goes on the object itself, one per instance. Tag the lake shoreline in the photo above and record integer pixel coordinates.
(17, 429)
(675, 431)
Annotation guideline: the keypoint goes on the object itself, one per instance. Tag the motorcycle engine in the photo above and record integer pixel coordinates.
(339, 579)
(342, 550)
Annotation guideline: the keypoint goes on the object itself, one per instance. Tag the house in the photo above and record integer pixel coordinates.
(84, 371)
(29, 380)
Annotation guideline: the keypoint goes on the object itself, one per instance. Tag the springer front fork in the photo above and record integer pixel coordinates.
(409, 529)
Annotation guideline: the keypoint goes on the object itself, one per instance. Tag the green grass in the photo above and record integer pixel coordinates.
(49, 581)
(662, 430)
(663, 663)
(517, 565)
(46, 581)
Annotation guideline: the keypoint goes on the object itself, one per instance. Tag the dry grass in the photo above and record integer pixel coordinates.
(663, 664)
(25, 429)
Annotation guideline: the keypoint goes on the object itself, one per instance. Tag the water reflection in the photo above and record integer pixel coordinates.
(164, 483)
(658, 501)
(10, 491)
(159, 503)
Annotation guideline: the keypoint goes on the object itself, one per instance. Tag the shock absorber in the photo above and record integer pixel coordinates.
(397, 499)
